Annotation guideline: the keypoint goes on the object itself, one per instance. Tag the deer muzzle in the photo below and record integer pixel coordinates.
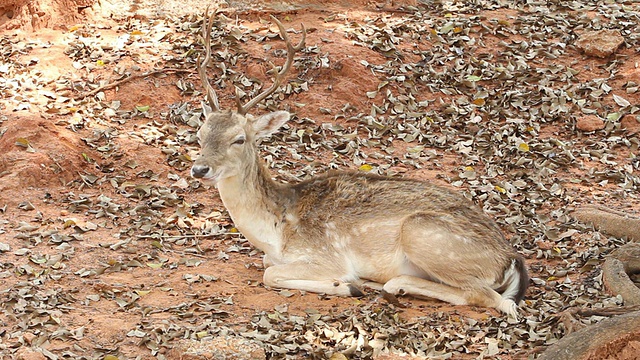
(200, 171)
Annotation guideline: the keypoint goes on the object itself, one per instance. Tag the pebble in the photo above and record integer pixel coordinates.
(589, 123)
(601, 43)
(631, 123)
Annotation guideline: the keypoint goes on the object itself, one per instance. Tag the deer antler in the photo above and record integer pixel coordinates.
(202, 65)
(243, 109)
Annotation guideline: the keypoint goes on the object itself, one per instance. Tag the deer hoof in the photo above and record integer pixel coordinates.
(355, 291)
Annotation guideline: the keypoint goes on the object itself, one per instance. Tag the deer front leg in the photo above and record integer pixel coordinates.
(309, 277)
(267, 262)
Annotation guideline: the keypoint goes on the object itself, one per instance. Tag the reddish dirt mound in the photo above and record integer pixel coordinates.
(36, 14)
(37, 153)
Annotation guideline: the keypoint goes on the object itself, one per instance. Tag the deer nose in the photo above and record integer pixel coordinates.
(199, 171)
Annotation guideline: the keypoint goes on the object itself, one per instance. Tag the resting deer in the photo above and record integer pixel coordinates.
(338, 232)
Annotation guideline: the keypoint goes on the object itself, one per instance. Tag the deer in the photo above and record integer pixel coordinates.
(343, 231)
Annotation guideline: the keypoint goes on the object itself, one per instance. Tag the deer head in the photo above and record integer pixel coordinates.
(228, 138)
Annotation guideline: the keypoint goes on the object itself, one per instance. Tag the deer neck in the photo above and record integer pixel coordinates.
(256, 204)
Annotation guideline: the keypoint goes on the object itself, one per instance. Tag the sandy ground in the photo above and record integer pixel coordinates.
(109, 247)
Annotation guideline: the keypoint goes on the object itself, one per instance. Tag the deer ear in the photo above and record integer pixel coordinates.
(267, 124)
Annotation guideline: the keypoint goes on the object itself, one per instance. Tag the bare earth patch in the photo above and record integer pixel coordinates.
(109, 249)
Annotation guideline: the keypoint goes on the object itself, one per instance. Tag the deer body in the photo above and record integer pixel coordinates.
(334, 233)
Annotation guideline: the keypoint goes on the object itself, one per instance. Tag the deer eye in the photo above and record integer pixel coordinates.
(239, 141)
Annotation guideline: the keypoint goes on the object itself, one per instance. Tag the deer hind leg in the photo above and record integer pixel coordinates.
(459, 265)
(419, 287)
(310, 277)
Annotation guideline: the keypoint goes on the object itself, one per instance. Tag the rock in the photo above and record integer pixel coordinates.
(601, 43)
(29, 354)
(257, 71)
(219, 348)
(631, 123)
(28, 337)
(589, 123)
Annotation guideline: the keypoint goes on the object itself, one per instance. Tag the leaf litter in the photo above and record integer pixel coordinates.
(479, 95)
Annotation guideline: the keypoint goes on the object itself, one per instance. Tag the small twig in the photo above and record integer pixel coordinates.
(184, 236)
(396, 10)
(186, 253)
(172, 236)
(131, 77)
(55, 162)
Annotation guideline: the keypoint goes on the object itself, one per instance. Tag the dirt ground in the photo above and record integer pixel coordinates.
(110, 250)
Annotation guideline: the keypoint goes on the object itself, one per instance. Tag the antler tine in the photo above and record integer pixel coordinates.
(202, 65)
(291, 50)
